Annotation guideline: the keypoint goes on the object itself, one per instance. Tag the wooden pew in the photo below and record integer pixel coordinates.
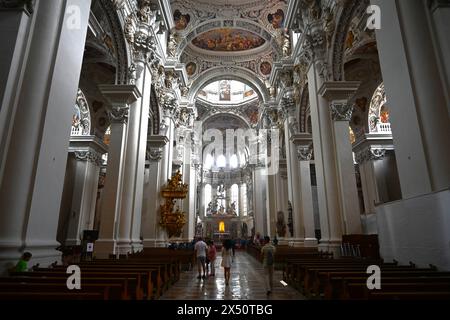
(124, 283)
(359, 291)
(142, 280)
(9, 296)
(409, 296)
(336, 286)
(109, 291)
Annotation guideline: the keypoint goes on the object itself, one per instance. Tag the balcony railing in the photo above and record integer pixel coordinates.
(384, 128)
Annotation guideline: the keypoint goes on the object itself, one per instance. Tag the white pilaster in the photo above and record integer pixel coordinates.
(120, 97)
(417, 94)
(327, 180)
(14, 32)
(302, 144)
(88, 151)
(34, 165)
(151, 231)
(338, 94)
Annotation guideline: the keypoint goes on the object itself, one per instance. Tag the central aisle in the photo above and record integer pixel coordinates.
(247, 283)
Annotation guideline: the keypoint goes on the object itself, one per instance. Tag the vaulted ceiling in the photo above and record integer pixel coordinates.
(230, 34)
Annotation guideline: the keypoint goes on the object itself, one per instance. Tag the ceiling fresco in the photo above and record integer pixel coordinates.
(228, 40)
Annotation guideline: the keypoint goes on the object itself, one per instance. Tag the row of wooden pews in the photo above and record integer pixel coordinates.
(143, 276)
(285, 253)
(346, 279)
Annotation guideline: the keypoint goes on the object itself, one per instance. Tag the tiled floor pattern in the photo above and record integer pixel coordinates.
(247, 283)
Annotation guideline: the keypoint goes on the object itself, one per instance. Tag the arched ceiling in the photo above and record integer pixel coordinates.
(237, 34)
(228, 73)
(224, 121)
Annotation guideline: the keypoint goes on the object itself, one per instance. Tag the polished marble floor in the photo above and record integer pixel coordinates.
(247, 283)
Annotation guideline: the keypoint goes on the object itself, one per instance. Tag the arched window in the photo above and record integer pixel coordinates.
(244, 199)
(221, 161)
(379, 112)
(234, 161)
(208, 162)
(81, 118)
(208, 191)
(235, 197)
(106, 141)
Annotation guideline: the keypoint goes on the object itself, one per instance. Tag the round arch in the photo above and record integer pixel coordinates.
(351, 9)
(226, 73)
(240, 119)
(114, 18)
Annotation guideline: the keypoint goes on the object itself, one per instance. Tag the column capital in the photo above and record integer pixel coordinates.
(341, 111)
(155, 146)
(88, 148)
(304, 153)
(369, 154)
(339, 90)
(372, 147)
(118, 114)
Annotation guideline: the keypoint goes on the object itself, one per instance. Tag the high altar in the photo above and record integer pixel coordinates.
(228, 213)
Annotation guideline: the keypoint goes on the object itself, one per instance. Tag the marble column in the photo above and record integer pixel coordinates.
(338, 94)
(151, 231)
(418, 96)
(35, 162)
(302, 145)
(324, 154)
(133, 183)
(88, 151)
(120, 97)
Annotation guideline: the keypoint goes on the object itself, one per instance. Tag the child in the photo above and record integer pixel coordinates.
(22, 265)
(212, 252)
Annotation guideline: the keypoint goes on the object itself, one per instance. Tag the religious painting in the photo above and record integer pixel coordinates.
(225, 91)
(265, 68)
(384, 115)
(181, 20)
(254, 117)
(276, 19)
(76, 119)
(191, 68)
(226, 39)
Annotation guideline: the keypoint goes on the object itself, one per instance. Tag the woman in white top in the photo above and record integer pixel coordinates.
(227, 259)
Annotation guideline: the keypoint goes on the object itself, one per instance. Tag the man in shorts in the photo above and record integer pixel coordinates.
(200, 253)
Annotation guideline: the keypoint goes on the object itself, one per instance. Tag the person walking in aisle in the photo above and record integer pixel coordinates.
(212, 252)
(268, 256)
(200, 253)
(227, 260)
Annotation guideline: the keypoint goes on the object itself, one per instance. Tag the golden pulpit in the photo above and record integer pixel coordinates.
(173, 220)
